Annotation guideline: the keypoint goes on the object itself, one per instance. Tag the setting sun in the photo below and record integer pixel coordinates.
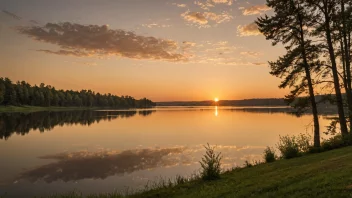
(216, 99)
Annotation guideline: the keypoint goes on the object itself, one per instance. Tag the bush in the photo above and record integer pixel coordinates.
(337, 141)
(269, 155)
(247, 164)
(313, 149)
(210, 164)
(294, 146)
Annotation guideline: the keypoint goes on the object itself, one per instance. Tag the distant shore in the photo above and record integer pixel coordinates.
(5, 109)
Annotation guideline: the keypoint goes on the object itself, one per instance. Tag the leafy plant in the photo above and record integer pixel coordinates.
(211, 164)
(294, 146)
(247, 164)
(337, 141)
(269, 155)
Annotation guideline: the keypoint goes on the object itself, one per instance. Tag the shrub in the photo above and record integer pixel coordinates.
(247, 164)
(288, 147)
(210, 164)
(294, 146)
(313, 149)
(269, 155)
(337, 141)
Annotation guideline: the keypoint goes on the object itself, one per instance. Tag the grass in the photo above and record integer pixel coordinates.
(28, 109)
(327, 174)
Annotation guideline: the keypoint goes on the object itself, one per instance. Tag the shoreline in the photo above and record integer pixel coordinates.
(29, 109)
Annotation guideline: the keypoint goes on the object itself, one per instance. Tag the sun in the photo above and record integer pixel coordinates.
(216, 99)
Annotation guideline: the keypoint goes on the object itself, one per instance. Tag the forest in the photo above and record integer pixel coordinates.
(22, 93)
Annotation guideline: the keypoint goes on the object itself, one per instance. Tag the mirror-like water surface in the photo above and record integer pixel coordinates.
(102, 151)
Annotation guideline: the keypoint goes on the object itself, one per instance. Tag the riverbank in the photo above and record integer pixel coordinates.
(325, 174)
(28, 109)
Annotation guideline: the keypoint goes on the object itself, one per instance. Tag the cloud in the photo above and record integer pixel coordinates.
(207, 4)
(250, 53)
(204, 6)
(187, 44)
(14, 16)
(155, 25)
(90, 40)
(257, 9)
(33, 21)
(66, 52)
(248, 30)
(259, 63)
(194, 17)
(203, 18)
(182, 5)
(228, 2)
(218, 18)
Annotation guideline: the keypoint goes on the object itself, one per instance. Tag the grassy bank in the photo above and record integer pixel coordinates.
(327, 174)
(5, 109)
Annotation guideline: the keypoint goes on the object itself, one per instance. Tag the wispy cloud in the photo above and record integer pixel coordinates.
(90, 40)
(12, 15)
(254, 10)
(204, 5)
(194, 17)
(218, 18)
(248, 30)
(207, 4)
(228, 2)
(203, 18)
(33, 21)
(156, 25)
(260, 63)
(250, 53)
(181, 5)
(77, 53)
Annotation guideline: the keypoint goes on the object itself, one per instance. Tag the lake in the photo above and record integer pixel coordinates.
(102, 151)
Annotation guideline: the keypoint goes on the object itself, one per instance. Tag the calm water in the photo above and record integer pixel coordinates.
(103, 151)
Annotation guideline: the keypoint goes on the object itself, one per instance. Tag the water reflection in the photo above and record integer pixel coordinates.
(99, 165)
(22, 123)
(102, 164)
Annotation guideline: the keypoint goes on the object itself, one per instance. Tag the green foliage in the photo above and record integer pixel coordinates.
(337, 141)
(269, 155)
(211, 164)
(22, 93)
(247, 164)
(294, 146)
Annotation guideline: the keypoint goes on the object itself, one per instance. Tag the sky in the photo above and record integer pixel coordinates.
(165, 50)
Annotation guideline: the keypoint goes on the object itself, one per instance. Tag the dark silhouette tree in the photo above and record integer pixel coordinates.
(324, 14)
(288, 26)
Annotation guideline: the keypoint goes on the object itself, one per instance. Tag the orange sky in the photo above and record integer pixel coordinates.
(160, 49)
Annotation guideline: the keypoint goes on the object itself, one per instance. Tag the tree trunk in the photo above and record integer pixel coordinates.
(310, 85)
(339, 102)
(347, 62)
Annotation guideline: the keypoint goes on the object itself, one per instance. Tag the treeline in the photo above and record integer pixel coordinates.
(247, 102)
(23, 123)
(22, 93)
(317, 36)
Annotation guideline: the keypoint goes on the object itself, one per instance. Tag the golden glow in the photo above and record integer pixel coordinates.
(216, 111)
(216, 99)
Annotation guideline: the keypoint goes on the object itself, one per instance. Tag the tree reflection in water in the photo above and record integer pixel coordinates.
(23, 123)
